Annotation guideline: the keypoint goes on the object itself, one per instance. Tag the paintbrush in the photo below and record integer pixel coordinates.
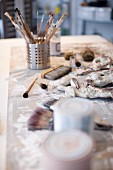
(40, 25)
(42, 85)
(49, 22)
(37, 24)
(20, 25)
(24, 26)
(17, 27)
(57, 25)
(25, 95)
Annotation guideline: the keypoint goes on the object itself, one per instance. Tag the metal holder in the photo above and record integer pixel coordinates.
(38, 56)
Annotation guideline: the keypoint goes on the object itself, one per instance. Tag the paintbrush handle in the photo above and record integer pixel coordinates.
(60, 21)
(49, 22)
(49, 70)
(28, 34)
(31, 85)
(40, 25)
(24, 26)
(51, 34)
(18, 27)
(27, 31)
(21, 33)
(48, 26)
(57, 25)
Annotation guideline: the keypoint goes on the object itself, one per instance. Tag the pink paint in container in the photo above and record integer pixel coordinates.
(69, 150)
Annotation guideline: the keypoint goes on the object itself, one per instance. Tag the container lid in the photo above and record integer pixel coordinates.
(68, 146)
(72, 106)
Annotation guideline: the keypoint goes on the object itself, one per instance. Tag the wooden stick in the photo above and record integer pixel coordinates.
(37, 24)
(49, 70)
(23, 31)
(40, 24)
(25, 95)
(49, 22)
(62, 18)
(51, 34)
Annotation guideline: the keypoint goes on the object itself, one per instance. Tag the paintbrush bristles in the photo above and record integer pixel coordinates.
(40, 24)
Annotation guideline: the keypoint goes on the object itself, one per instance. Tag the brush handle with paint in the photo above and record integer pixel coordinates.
(25, 95)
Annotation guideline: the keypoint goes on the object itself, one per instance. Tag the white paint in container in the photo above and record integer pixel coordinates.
(55, 43)
(73, 113)
(67, 151)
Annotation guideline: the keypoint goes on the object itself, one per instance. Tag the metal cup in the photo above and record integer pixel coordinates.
(38, 56)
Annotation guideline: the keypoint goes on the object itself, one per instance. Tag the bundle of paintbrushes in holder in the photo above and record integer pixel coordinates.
(38, 50)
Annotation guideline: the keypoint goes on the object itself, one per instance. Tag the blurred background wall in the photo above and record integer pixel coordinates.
(84, 16)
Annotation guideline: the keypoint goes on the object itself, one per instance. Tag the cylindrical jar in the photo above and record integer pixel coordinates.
(38, 56)
(55, 45)
(73, 113)
(70, 150)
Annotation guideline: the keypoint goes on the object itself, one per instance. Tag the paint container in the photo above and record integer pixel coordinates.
(73, 113)
(38, 56)
(69, 150)
(55, 46)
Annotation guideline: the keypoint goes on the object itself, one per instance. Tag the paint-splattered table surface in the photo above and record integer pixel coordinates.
(16, 141)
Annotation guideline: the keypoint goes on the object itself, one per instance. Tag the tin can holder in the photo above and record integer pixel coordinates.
(38, 56)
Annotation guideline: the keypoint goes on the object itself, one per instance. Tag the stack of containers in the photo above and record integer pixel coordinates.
(70, 146)
(103, 14)
(95, 13)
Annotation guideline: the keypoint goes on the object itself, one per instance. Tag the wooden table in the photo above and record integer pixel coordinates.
(5, 56)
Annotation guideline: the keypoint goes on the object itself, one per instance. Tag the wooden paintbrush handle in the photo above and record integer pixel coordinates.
(31, 85)
(51, 34)
(58, 23)
(49, 70)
